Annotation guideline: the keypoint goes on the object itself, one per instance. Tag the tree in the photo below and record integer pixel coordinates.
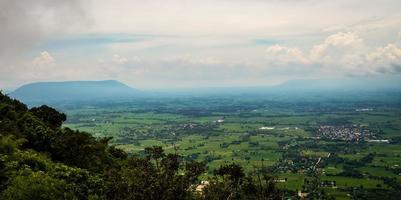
(49, 115)
(38, 186)
(80, 149)
(234, 172)
(194, 169)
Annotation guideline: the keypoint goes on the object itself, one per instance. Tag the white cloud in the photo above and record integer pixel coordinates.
(386, 59)
(285, 55)
(43, 60)
(336, 45)
(340, 54)
(119, 59)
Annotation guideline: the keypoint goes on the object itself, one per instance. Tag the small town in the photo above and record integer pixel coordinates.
(345, 133)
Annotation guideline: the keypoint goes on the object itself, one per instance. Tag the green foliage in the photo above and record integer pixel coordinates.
(49, 115)
(37, 134)
(194, 170)
(117, 153)
(36, 185)
(9, 144)
(81, 183)
(156, 176)
(239, 186)
(234, 172)
(81, 150)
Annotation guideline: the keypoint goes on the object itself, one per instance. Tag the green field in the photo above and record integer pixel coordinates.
(222, 131)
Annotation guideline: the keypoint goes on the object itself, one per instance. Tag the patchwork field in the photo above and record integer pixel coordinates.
(279, 139)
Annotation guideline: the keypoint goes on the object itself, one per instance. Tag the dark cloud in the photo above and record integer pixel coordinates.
(24, 24)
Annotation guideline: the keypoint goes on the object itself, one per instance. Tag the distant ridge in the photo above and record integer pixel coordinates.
(45, 92)
(345, 84)
(301, 86)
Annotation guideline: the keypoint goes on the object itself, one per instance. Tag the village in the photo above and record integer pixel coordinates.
(345, 133)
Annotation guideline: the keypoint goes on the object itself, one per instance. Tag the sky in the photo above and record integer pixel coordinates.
(192, 43)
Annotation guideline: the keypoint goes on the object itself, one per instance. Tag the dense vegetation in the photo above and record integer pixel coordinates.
(41, 160)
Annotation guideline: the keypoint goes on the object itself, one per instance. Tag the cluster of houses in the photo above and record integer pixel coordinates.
(346, 133)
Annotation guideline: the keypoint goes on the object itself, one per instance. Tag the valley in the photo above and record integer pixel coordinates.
(342, 145)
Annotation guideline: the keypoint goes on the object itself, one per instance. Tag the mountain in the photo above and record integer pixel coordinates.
(345, 84)
(89, 91)
(45, 92)
(297, 87)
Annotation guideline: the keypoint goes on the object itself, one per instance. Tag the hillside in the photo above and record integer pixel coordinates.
(44, 92)
(41, 160)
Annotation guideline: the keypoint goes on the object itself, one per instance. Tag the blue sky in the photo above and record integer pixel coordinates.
(189, 43)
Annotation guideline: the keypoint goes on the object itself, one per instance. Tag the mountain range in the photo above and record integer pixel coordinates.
(73, 91)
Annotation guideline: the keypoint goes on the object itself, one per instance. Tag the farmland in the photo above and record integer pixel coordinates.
(347, 145)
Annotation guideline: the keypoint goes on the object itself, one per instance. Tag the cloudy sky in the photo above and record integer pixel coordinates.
(192, 43)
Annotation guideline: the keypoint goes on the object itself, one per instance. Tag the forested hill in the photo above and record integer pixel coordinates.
(41, 160)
